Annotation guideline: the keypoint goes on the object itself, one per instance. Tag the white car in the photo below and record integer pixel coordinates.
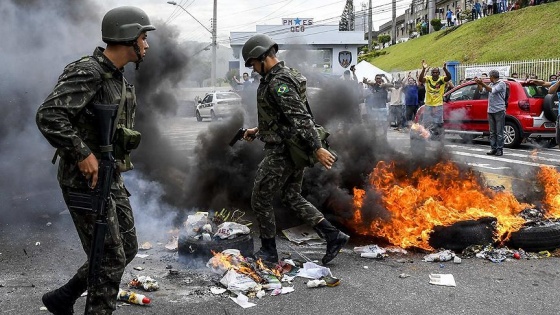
(218, 105)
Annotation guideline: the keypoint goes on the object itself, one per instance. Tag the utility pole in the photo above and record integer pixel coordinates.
(431, 14)
(369, 26)
(394, 30)
(214, 44)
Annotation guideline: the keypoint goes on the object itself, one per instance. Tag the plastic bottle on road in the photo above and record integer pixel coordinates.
(132, 297)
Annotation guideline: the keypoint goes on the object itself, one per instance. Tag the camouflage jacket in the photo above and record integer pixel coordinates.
(282, 96)
(66, 120)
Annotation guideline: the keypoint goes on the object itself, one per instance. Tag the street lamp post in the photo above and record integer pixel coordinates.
(213, 32)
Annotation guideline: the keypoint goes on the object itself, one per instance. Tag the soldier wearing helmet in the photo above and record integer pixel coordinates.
(67, 122)
(283, 115)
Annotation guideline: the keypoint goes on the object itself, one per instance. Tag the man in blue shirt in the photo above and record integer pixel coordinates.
(496, 111)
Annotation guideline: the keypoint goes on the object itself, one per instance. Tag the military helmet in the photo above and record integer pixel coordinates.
(256, 46)
(124, 24)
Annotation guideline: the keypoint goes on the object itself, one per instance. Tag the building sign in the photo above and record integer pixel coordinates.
(297, 24)
(345, 58)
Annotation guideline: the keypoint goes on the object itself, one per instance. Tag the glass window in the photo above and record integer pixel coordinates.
(463, 94)
(535, 91)
(226, 95)
(207, 99)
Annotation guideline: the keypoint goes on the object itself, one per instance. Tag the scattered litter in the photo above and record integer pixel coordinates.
(445, 255)
(173, 244)
(301, 234)
(260, 294)
(142, 255)
(42, 308)
(330, 280)
(242, 300)
(144, 282)
(313, 271)
(145, 246)
(366, 267)
(371, 251)
(316, 283)
(216, 290)
(396, 249)
(138, 268)
(195, 222)
(404, 275)
(457, 260)
(132, 297)
(49, 223)
(229, 230)
(37, 243)
(234, 281)
(442, 279)
(284, 290)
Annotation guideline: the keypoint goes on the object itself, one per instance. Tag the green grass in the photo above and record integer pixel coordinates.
(529, 33)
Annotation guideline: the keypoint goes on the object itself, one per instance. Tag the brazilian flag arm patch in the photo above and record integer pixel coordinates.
(282, 88)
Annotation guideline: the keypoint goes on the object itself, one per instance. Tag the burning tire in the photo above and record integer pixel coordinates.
(192, 249)
(460, 235)
(536, 238)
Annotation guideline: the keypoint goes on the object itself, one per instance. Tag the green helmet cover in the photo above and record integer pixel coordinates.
(256, 46)
(124, 24)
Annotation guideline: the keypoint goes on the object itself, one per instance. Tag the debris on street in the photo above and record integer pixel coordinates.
(302, 234)
(371, 251)
(133, 297)
(442, 279)
(445, 255)
(144, 282)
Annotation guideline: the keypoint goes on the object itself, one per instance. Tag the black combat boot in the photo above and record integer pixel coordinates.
(61, 301)
(268, 252)
(335, 239)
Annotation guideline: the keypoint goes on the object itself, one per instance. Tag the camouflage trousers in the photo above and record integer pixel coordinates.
(277, 173)
(120, 248)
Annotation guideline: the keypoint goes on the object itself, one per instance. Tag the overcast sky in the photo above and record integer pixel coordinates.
(243, 15)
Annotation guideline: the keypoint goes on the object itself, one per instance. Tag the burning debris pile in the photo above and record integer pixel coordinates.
(246, 278)
(441, 196)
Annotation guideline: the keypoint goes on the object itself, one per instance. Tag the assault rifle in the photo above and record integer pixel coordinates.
(239, 135)
(100, 198)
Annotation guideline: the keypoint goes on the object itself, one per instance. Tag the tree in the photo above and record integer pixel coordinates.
(347, 18)
(436, 24)
(384, 38)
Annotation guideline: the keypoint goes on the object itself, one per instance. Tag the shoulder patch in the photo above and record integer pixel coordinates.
(282, 88)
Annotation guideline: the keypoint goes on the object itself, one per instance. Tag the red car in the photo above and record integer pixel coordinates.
(466, 113)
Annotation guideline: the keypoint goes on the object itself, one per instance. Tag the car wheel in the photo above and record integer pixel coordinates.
(550, 106)
(198, 117)
(512, 135)
(213, 115)
(536, 238)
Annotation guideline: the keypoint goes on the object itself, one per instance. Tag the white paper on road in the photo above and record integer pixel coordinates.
(442, 279)
(242, 301)
(302, 233)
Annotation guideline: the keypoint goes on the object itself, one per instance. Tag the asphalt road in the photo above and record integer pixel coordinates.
(41, 254)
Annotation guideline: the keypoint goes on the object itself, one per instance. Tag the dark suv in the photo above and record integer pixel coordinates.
(465, 113)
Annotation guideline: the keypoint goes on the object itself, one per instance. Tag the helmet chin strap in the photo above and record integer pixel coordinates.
(138, 55)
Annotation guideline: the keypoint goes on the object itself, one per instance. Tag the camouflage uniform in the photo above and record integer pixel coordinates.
(68, 124)
(282, 95)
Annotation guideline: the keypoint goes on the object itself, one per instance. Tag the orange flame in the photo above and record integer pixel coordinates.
(551, 183)
(441, 195)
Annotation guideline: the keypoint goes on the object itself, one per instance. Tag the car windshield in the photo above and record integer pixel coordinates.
(535, 91)
(223, 96)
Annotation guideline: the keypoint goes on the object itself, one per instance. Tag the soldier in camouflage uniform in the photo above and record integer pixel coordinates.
(66, 120)
(282, 113)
